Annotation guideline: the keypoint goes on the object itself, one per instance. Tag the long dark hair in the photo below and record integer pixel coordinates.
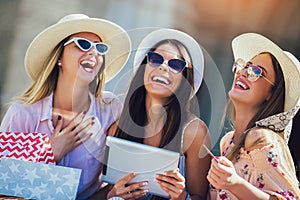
(273, 106)
(134, 115)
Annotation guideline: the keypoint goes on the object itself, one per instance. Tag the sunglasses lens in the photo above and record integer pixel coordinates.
(84, 44)
(238, 65)
(154, 59)
(234, 68)
(176, 65)
(102, 48)
(254, 72)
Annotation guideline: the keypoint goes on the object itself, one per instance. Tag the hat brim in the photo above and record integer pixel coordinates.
(109, 32)
(249, 45)
(164, 33)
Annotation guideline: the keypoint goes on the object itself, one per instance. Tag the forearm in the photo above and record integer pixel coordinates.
(245, 190)
(199, 192)
(196, 197)
(101, 194)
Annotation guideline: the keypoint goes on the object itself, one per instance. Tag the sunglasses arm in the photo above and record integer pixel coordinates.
(268, 80)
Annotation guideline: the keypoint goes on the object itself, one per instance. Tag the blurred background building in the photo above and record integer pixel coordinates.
(213, 23)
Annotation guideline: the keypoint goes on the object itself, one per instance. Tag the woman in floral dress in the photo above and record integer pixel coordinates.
(255, 161)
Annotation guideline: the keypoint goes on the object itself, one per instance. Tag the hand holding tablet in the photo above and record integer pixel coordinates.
(124, 157)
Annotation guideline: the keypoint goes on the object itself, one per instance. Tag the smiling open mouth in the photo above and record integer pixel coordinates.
(88, 65)
(242, 85)
(160, 79)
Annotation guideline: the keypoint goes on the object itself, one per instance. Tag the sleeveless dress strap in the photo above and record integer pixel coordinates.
(181, 164)
(183, 132)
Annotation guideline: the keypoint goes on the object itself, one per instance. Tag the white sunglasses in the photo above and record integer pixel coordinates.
(85, 45)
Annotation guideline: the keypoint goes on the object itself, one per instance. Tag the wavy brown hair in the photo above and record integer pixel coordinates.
(273, 106)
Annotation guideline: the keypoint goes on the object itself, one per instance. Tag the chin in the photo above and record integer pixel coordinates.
(230, 93)
(236, 96)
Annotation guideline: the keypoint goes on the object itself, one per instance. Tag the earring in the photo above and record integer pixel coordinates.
(59, 63)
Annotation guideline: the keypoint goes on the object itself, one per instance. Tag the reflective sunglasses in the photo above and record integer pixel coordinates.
(85, 45)
(253, 72)
(175, 65)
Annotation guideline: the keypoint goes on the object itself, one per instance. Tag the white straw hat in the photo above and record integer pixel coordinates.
(248, 45)
(190, 43)
(110, 33)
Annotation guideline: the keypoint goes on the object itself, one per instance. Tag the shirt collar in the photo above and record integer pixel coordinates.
(47, 107)
(47, 104)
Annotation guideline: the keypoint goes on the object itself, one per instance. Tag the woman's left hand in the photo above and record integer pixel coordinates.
(173, 183)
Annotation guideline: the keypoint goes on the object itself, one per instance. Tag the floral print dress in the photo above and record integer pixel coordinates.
(269, 168)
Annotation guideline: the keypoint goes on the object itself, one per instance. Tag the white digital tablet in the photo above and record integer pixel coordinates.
(123, 157)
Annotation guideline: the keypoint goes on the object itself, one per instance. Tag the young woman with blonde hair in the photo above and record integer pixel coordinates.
(68, 63)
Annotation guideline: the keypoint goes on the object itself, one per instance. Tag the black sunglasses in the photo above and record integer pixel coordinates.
(85, 45)
(175, 65)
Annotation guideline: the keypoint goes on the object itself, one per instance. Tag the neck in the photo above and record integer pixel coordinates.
(156, 115)
(71, 97)
(155, 108)
(243, 115)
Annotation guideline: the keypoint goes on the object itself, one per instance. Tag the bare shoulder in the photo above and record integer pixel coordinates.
(196, 134)
(196, 128)
(260, 137)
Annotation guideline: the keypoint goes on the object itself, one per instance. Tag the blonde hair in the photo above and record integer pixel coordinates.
(46, 81)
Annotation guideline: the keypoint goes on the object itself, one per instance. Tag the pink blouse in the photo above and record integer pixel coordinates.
(270, 168)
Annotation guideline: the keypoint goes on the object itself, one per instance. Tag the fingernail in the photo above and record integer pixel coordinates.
(93, 118)
(145, 191)
(145, 183)
(84, 112)
(91, 134)
(59, 117)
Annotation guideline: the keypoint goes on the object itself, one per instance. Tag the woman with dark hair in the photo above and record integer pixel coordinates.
(256, 162)
(168, 70)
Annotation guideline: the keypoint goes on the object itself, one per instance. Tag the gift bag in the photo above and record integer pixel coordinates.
(31, 180)
(27, 146)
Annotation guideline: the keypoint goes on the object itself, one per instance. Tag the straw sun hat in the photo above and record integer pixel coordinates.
(248, 45)
(110, 33)
(192, 46)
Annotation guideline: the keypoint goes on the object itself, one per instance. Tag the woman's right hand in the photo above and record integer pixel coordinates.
(222, 174)
(64, 140)
(128, 191)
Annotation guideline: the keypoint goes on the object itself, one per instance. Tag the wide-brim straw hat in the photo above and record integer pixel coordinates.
(190, 43)
(249, 45)
(110, 33)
